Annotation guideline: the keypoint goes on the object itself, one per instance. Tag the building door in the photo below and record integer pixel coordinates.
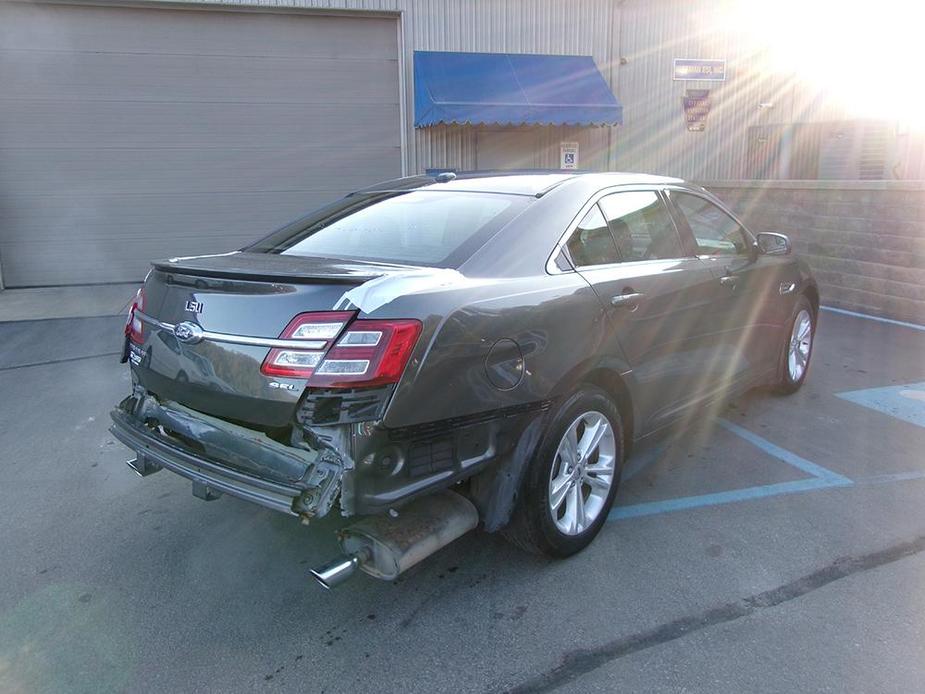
(764, 143)
(512, 148)
(129, 134)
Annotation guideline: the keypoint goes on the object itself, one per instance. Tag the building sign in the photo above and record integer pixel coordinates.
(699, 69)
(568, 155)
(696, 108)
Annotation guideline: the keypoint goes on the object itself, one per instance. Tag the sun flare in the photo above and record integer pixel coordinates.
(863, 56)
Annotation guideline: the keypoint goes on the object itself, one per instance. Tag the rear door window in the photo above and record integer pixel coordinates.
(642, 226)
(591, 242)
(715, 232)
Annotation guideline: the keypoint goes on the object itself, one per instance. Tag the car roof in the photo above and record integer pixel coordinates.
(522, 182)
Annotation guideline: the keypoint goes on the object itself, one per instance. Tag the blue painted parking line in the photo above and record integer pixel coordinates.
(820, 478)
(906, 402)
(889, 478)
(736, 495)
(879, 319)
(784, 455)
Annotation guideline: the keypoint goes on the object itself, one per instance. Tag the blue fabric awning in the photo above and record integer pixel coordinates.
(511, 89)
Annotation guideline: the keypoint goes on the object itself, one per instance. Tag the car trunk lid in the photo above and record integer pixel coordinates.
(249, 295)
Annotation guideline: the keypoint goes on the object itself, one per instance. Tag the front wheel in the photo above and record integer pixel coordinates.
(797, 348)
(573, 478)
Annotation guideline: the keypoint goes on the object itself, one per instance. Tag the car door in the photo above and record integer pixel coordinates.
(655, 293)
(750, 303)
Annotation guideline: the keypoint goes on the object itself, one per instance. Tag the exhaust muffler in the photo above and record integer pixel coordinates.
(384, 547)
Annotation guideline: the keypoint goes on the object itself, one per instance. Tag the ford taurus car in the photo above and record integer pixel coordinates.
(433, 354)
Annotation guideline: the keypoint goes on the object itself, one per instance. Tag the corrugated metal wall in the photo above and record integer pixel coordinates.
(563, 27)
(654, 136)
(647, 35)
(576, 27)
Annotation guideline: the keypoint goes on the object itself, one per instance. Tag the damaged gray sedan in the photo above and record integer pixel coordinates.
(439, 353)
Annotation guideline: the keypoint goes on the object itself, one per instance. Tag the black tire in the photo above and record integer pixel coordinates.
(532, 527)
(785, 383)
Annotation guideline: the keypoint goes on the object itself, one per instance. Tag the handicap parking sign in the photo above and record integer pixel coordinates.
(568, 155)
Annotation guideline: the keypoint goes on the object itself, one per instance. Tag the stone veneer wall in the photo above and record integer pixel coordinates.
(865, 240)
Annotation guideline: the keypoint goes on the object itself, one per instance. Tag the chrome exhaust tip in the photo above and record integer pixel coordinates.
(336, 571)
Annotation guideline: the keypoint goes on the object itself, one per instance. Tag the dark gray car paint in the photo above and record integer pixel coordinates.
(685, 345)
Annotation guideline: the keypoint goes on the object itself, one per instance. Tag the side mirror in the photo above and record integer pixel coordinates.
(773, 244)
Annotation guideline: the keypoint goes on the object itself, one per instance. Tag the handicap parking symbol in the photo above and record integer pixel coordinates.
(906, 402)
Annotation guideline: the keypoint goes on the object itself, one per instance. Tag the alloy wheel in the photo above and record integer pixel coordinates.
(801, 340)
(582, 473)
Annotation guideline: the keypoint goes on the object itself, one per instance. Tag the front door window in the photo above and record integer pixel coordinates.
(641, 226)
(715, 232)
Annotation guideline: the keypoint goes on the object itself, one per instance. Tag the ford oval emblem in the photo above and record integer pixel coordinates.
(187, 332)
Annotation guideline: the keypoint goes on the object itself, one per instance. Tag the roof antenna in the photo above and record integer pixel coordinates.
(445, 177)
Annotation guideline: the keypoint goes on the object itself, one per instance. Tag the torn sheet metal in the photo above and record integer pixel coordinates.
(335, 446)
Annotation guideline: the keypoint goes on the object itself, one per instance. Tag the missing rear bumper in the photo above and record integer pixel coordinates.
(227, 459)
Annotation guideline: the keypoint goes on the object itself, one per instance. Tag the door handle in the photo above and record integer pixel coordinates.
(630, 299)
(728, 281)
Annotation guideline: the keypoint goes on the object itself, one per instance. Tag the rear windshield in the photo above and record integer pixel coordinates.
(431, 228)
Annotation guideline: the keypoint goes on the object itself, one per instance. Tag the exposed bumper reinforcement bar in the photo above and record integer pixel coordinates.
(269, 494)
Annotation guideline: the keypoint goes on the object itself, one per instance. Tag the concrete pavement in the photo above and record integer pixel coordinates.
(113, 583)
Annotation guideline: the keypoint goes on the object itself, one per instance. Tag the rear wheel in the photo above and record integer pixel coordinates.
(573, 478)
(797, 348)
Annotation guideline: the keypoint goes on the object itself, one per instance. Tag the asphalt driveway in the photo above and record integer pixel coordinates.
(777, 546)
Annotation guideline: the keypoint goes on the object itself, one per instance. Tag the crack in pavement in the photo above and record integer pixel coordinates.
(58, 361)
(579, 662)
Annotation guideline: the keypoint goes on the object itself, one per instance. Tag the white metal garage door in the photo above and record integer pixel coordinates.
(133, 134)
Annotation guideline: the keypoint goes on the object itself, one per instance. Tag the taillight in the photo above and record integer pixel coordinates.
(367, 353)
(370, 353)
(134, 328)
(318, 331)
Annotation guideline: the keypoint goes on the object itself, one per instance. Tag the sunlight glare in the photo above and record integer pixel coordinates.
(862, 55)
